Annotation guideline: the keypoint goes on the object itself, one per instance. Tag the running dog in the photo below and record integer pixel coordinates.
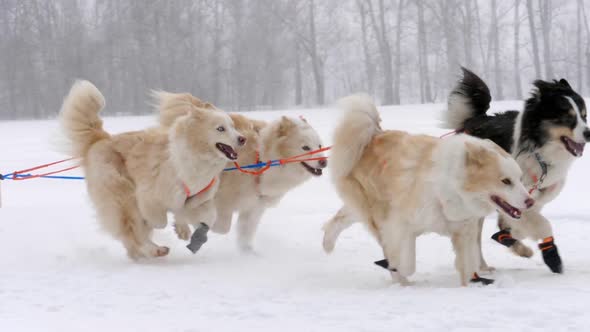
(545, 138)
(249, 195)
(135, 178)
(402, 185)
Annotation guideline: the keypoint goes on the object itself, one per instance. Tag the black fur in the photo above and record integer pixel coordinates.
(545, 108)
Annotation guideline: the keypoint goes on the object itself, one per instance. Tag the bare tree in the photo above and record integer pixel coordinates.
(531, 17)
(425, 92)
(384, 50)
(545, 9)
(517, 80)
(369, 67)
(495, 35)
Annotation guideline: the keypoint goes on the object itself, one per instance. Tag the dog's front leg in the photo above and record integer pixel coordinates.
(247, 224)
(466, 251)
(202, 217)
(539, 228)
(483, 265)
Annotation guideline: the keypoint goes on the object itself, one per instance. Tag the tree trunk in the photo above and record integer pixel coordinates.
(468, 34)
(384, 51)
(579, 71)
(448, 11)
(531, 16)
(545, 6)
(425, 93)
(398, 54)
(496, 40)
(369, 70)
(316, 62)
(298, 79)
(517, 81)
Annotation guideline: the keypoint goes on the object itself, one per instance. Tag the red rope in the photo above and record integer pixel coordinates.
(16, 173)
(296, 158)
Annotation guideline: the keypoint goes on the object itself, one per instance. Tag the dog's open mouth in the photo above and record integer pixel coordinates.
(509, 209)
(575, 148)
(227, 150)
(314, 171)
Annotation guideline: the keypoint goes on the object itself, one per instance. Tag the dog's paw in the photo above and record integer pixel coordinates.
(551, 256)
(485, 269)
(198, 238)
(161, 251)
(183, 231)
(521, 250)
(328, 243)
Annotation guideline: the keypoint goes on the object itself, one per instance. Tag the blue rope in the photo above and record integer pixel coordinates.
(10, 176)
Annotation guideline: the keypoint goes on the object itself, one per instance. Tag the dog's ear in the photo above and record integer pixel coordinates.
(285, 126)
(564, 83)
(476, 156)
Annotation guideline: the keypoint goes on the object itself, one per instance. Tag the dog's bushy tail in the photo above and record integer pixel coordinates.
(79, 118)
(470, 98)
(354, 132)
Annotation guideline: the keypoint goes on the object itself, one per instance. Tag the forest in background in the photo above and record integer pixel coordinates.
(266, 54)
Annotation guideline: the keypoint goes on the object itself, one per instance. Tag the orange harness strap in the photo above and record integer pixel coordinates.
(187, 191)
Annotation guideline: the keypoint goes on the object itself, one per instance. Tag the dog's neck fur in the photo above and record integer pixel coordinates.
(191, 168)
(523, 151)
(449, 164)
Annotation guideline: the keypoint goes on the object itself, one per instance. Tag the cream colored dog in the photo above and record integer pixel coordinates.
(250, 195)
(135, 178)
(404, 185)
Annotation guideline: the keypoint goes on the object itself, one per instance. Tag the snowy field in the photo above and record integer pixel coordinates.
(58, 272)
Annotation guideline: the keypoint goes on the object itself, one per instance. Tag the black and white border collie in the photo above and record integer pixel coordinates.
(545, 138)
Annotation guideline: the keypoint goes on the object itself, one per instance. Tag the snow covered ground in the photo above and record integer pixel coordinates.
(58, 272)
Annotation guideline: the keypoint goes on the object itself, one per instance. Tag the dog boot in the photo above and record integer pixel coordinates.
(551, 255)
(198, 238)
(484, 281)
(384, 264)
(504, 238)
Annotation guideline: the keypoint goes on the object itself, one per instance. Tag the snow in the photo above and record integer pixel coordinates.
(59, 272)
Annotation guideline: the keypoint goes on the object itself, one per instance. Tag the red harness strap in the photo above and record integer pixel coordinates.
(187, 190)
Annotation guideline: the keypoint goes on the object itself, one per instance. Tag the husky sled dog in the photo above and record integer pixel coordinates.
(250, 195)
(545, 138)
(404, 185)
(135, 178)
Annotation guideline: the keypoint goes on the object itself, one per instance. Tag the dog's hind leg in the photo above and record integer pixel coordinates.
(223, 223)
(114, 196)
(247, 224)
(397, 246)
(332, 229)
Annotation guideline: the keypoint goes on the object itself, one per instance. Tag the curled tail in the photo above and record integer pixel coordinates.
(79, 118)
(470, 98)
(354, 132)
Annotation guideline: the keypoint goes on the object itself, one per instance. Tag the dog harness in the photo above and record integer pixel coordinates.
(187, 190)
(538, 181)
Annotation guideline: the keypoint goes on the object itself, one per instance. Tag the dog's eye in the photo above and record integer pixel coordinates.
(507, 182)
(306, 148)
(221, 129)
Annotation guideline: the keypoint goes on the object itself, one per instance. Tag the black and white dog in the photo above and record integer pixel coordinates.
(545, 138)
